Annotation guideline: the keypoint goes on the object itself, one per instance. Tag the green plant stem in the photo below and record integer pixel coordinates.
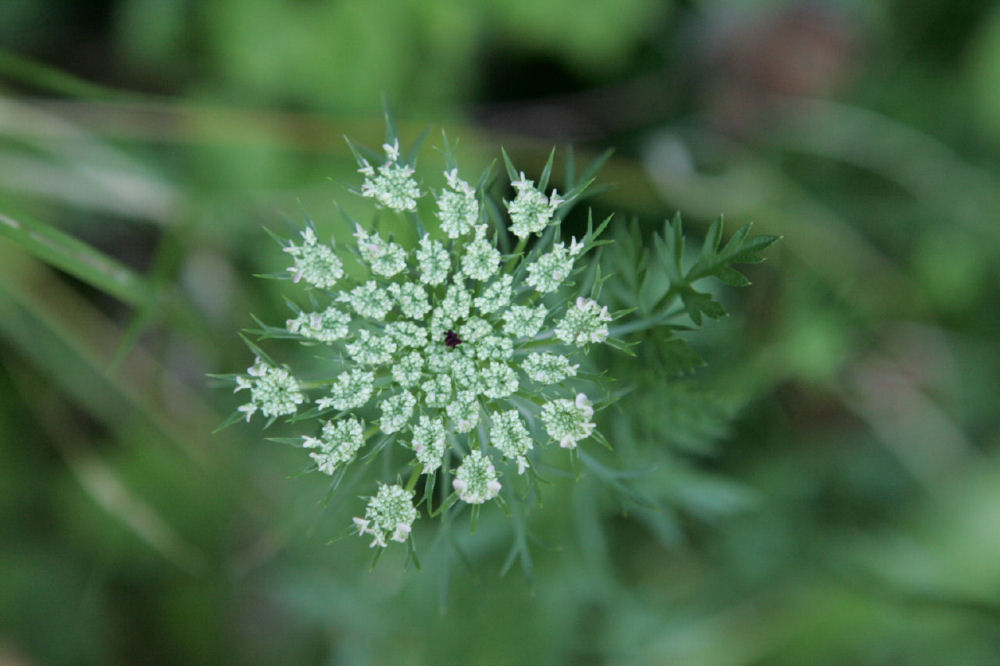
(643, 324)
(412, 483)
(518, 249)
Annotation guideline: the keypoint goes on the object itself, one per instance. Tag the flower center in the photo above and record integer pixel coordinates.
(451, 339)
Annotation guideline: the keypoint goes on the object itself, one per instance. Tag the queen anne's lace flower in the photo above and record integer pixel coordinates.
(433, 262)
(396, 411)
(481, 259)
(499, 380)
(390, 515)
(464, 411)
(548, 368)
(408, 370)
(368, 300)
(524, 321)
(476, 479)
(350, 390)
(552, 268)
(412, 299)
(338, 443)
(370, 349)
(386, 259)
(316, 264)
(458, 208)
(274, 391)
(568, 421)
(496, 296)
(428, 443)
(329, 325)
(437, 391)
(391, 185)
(510, 436)
(531, 211)
(454, 352)
(585, 322)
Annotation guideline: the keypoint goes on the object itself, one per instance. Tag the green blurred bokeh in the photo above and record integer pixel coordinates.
(829, 484)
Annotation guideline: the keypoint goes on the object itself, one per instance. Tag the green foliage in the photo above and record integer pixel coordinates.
(661, 284)
(825, 488)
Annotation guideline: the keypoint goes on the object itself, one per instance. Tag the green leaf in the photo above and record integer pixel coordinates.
(76, 258)
(654, 287)
(739, 250)
(733, 277)
(18, 68)
(595, 166)
(511, 171)
(669, 250)
(543, 182)
(411, 155)
(675, 356)
(621, 345)
(698, 303)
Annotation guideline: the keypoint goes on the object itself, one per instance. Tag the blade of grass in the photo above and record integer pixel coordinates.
(76, 258)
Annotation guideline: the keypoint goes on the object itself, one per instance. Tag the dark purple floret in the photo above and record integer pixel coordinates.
(451, 339)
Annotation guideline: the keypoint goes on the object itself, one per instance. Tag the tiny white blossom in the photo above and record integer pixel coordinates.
(368, 300)
(498, 380)
(391, 185)
(496, 295)
(476, 479)
(384, 258)
(464, 411)
(408, 370)
(456, 304)
(437, 391)
(481, 259)
(524, 321)
(338, 443)
(433, 261)
(429, 443)
(371, 349)
(389, 515)
(315, 263)
(530, 211)
(549, 271)
(494, 348)
(584, 323)
(396, 411)
(568, 421)
(329, 325)
(351, 389)
(392, 150)
(412, 299)
(440, 359)
(464, 373)
(458, 209)
(407, 334)
(273, 391)
(474, 330)
(509, 435)
(546, 368)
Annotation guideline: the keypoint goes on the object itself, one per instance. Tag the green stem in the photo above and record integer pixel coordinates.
(642, 324)
(412, 483)
(518, 249)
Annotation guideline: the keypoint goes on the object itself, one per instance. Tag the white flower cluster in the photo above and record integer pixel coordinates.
(531, 211)
(568, 421)
(390, 514)
(449, 348)
(273, 391)
(391, 185)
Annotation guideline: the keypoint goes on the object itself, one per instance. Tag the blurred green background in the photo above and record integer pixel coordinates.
(828, 486)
